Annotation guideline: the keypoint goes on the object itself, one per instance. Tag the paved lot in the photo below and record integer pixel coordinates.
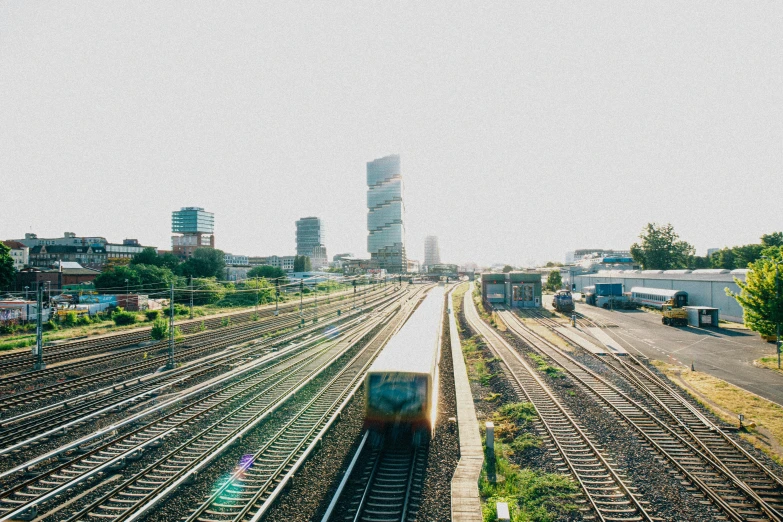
(726, 354)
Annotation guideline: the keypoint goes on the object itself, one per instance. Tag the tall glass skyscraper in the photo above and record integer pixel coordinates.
(431, 251)
(310, 241)
(385, 223)
(196, 229)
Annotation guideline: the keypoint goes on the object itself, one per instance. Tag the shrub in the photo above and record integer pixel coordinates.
(226, 321)
(151, 315)
(122, 318)
(70, 318)
(84, 320)
(201, 327)
(51, 325)
(160, 329)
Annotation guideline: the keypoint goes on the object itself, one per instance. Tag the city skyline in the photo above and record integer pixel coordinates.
(582, 123)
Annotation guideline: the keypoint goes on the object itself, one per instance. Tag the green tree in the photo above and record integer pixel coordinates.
(773, 239)
(762, 308)
(550, 264)
(507, 269)
(723, 258)
(205, 262)
(113, 279)
(206, 291)
(7, 270)
(302, 264)
(554, 280)
(661, 248)
(153, 277)
(170, 261)
(267, 272)
(148, 256)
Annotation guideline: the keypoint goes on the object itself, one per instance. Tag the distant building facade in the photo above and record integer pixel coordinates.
(20, 253)
(385, 217)
(195, 228)
(89, 251)
(431, 251)
(576, 256)
(232, 260)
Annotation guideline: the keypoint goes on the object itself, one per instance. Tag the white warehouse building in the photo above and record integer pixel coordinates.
(705, 287)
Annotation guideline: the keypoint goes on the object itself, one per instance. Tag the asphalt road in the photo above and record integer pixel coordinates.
(726, 354)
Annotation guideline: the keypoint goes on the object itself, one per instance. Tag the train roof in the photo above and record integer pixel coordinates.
(655, 291)
(415, 346)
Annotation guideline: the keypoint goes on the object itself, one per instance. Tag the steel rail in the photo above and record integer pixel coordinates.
(635, 409)
(562, 417)
(643, 378)
(201, 388)
(115, 459)
(53, 431)
(262, 482)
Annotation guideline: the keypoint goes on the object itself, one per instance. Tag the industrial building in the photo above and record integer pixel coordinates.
(385, 217)
(514, 289)
(706, 288)
(195, 228)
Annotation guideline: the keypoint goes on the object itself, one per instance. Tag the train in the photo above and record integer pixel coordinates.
(657, 297)
(401, 385)
(563, 301)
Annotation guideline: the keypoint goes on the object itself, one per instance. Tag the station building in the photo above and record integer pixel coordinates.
(706, 288)
(514, 289)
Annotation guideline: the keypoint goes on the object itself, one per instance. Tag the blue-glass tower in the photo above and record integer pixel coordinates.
(385, 219)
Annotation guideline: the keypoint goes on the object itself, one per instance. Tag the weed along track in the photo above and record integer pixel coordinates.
(607, 494)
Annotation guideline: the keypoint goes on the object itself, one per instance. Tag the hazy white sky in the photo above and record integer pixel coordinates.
(525, 128)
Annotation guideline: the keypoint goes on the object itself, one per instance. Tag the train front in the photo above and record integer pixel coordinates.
(398, 403)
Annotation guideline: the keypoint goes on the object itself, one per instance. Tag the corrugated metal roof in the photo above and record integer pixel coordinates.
(723, 278)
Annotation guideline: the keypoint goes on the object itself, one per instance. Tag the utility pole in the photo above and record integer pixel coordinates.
(191, 297)
(256, 296)
(127, 300)
(354, 294)
(170, 364)
(38, 352)
(301, 296)
(277, 294)
(315, 320)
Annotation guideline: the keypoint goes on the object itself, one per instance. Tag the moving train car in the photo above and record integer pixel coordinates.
(401, 386)
(563, 301)
(657, 297)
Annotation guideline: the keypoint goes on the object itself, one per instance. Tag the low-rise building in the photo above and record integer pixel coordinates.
(234, 260)
(47, 256)
(514, 289)
(65, 273)
(706, 287)
(20, 253)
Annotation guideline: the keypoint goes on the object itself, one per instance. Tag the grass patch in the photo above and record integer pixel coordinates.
(532, 496)
(726, 401)
(478, 371)
(544, 367)
(770, 362)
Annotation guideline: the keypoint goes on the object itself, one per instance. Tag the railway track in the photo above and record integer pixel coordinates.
(385, 487)
(21, 361)
(191, 346)
(227, 414)
(733, 480)
(608, 496)
(259, 477)
(73, 412)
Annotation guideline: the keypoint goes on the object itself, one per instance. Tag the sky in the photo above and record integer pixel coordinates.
(525, 129)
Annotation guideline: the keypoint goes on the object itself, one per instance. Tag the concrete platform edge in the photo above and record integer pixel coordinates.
(465, 502)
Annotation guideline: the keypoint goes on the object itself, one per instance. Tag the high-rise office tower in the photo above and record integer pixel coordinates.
(310, 241)
(431, 251)
(196, 228)
(385, 223)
